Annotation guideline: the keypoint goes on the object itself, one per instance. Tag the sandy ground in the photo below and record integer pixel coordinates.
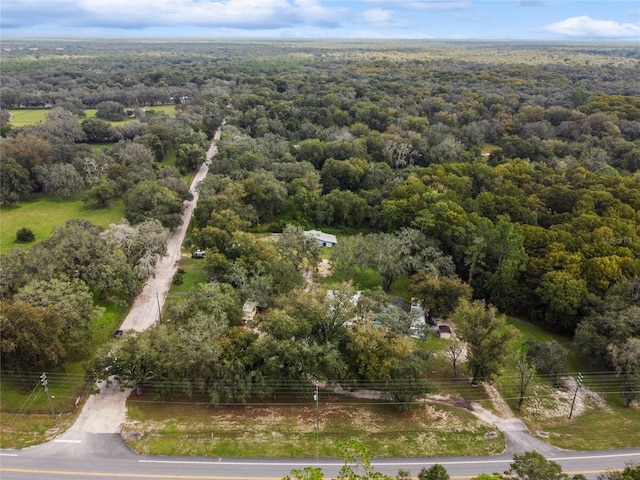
(105, 411)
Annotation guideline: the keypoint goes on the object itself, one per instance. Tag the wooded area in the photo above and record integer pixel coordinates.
(484, 174)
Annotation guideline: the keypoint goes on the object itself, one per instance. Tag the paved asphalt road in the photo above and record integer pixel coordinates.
(106, 456)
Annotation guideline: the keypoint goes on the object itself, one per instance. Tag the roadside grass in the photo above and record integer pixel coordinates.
(22, 431)
(288, 429)
(64, 388)
(614, 426)
(43, 213)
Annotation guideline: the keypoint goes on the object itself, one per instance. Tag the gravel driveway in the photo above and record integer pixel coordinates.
(105, 411)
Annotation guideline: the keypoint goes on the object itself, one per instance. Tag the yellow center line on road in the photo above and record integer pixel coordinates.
(131, 475)
(217, 477)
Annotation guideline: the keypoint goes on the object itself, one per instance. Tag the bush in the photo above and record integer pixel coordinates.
(25, 235)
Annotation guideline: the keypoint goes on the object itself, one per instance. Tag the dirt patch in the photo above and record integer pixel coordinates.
(499, 405)
(555, 403)
(325, 269)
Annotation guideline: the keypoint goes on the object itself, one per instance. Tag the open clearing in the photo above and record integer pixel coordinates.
(288, 429)
(21, 117)
(43, 214)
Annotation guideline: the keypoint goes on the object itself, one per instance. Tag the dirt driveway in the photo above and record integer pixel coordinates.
(105, 411)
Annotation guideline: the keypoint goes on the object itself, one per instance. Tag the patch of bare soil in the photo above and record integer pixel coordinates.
(499, 405)
(554, 403)
(325, 268)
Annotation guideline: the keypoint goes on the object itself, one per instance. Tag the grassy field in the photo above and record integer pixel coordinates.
(22, 431)
(266, 430)
(44, 213)
(21, 117)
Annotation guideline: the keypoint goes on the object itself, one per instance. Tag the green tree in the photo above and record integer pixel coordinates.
(98, 131)
(488, 476)
(215, 300)
(435, 472)
(486, 334)
(265, 193)
(533, 466)
(31, 339)
(101, 195)
(61, 127)
(630, 472)
(149, 200)
(189, 157)
(626, 360)
(303, 250)
(307, 473)
(74, 303)
(328, 312)
(548, 357)
(439, 296)
(59, 179)
(386, 362)
(563, 294)
(110, 110)
(15, 182)
(526, 371)
(599, 330)
(345, 255)
(357, 463)
(143, 244)
(343, 207)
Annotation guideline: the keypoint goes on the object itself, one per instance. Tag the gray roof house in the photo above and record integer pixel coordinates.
(324, 239)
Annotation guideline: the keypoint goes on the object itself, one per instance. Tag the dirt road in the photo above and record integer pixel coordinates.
(106, 411)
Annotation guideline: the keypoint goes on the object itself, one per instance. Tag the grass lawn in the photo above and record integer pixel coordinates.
(21, 117)
(193, 275)
(22, 431)
(613, 426)
(44, 213)
(288, 430)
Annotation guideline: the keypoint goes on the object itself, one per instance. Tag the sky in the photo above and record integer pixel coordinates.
(340, 19)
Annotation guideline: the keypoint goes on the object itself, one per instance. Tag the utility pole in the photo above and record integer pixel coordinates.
(575, 394)
(159, 309)
(45, 382)
(316, 397)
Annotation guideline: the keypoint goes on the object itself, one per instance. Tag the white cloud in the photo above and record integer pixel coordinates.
(584, 26)
(422, 4)
(250, 14)
(377, 17)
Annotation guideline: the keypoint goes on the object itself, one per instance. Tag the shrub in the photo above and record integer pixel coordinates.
(25, 235)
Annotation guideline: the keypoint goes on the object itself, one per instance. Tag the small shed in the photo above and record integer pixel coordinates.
(444, 331)
(249, 310)
(324, 239)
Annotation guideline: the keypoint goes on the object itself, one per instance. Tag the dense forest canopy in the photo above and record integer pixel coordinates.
(512, 168)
